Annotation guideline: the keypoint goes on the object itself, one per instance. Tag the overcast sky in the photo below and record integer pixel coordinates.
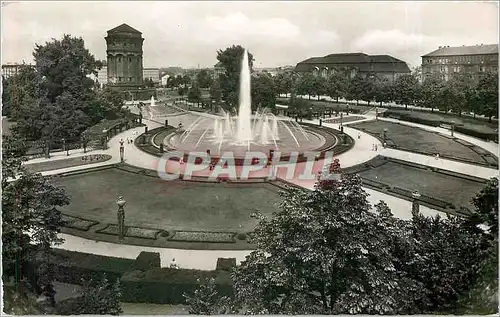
(277, 33)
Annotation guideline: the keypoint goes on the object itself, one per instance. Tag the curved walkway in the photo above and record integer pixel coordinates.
(206, 260)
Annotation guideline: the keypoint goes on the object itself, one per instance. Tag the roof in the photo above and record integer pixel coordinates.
(465, 50)
(363, 62)
(124, 28)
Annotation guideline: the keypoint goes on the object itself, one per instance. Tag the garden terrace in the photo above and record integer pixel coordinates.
(417, 140)
(441, 190)
(176, 214)
(479, 128)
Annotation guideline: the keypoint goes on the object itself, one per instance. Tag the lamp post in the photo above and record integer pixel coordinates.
(385, 135)
(122, 150)
(105, 139)
(452, 127)
(415, 206)
(121, 217)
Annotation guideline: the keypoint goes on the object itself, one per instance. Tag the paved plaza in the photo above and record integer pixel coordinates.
(147, 208)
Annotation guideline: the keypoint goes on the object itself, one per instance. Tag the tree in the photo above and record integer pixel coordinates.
(283, 83)
(204, 79)
(382, 90)
(194, 94)
(336, 86)
(487, 92)
(231, 59)
(320, 86)
(182, 90)
(57, 90)
(207, 301)
(430, 91)
(356, 88)
(405, 89)
(263, 91)
(30, 220)
(101, 298)
(305, 85)
(149, 82)
(310, 260)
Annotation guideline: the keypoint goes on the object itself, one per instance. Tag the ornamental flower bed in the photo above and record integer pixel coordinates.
(112, 230)
(142, 233)
(344, 119)
(199, 236)
(78, 223)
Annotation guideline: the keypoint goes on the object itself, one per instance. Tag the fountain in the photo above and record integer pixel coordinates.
(261, 131)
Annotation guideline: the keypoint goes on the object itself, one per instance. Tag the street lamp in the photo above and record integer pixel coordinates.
(105, 139)
(415, 206)
(121, 217)
(385, 135)
(452, 127)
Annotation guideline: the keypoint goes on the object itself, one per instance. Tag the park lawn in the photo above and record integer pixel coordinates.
(167, 205)
(65, 163)
(417, 139)
(452, 189)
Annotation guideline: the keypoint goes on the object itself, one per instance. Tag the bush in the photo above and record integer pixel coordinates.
(165, 234)
(225, 264)
(147, 260)
(241, 236)
(73, 267)
(167, 286)
(477, 134)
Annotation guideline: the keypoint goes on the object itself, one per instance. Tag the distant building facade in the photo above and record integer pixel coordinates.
(447, 60)
(124, 56)
(352, 64)
(218, 70)
(164, 79)
(9, 70)
(151, 74)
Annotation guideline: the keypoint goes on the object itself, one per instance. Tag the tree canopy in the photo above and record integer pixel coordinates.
(230, 59)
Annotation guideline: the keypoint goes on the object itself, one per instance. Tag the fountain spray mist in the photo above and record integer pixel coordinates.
(244, 132)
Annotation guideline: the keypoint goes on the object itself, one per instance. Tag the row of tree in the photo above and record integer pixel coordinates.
(463, 92)
(56, 99)
(326, 252)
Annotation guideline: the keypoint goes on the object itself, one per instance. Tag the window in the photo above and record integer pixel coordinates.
(119, 59)
(130, 79)
(119, 79)
(129, 60)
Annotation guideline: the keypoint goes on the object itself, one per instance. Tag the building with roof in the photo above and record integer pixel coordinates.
(124, 56)
(352, 64)
(152, 74)
(11, 69)
(447, 60)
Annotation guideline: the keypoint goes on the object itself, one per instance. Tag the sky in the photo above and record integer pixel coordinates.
(189, 33)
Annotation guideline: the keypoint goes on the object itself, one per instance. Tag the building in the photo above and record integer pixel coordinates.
(151, 74)
(447, 60)
(124, 56)
(218, 70)
(11, 69)
(164, 79)
(352, 64)
(273, 71)
(102, 75)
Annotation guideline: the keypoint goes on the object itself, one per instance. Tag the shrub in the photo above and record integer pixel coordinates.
(225, 264)
(147, 260)
(167, 286)
(241, 236)
(165, 234)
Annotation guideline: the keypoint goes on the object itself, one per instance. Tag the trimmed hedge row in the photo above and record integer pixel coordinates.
(434, 123)
(168, 286)
(142, 279)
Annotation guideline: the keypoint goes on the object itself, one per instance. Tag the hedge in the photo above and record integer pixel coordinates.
(142, 280)
(168, 286)
(146, 260)
(435, 123)
(225, 264)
